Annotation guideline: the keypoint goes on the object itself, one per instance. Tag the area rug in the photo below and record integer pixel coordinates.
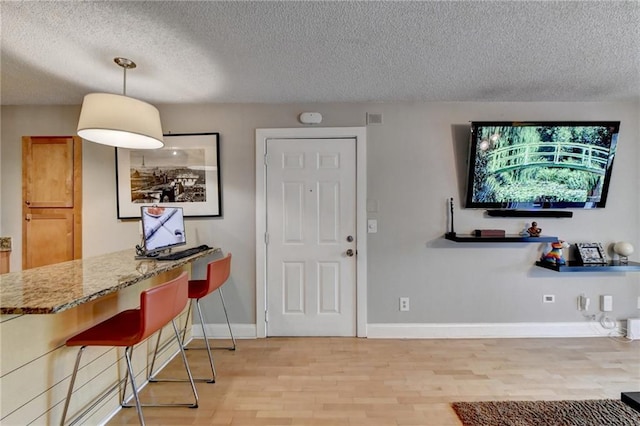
(601, 412)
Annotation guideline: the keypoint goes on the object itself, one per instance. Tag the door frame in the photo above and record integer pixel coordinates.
(360, 136)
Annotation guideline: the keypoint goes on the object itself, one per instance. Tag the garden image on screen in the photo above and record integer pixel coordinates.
(528, 166)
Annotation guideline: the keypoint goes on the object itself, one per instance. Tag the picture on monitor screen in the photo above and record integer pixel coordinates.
(163, 228)
(537, 165)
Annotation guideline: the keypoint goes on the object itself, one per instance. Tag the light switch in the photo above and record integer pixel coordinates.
(372, 226)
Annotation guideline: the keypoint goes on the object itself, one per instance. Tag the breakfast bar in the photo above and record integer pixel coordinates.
(41, 307)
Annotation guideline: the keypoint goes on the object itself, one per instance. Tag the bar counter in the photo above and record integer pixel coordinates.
(42, 307)
(56, 288)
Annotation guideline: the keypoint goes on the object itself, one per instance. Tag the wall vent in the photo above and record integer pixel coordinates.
(374, 118)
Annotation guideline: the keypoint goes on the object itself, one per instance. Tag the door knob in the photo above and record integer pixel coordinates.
(349, 238)
(350, 253)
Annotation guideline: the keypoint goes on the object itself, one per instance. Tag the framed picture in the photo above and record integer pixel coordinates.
(184, 173)
(591, 253)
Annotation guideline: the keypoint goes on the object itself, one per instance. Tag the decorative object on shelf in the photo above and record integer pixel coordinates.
(489, 233)
(624, 250)
(556, 254)
(119, 120)
(591, 253)
(533, 230)
(452, 232)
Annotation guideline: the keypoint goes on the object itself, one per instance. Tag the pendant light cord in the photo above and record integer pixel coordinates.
(124, 82)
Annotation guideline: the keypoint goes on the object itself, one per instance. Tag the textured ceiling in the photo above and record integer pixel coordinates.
(211, 52)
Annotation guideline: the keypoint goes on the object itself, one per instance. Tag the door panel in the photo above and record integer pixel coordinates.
(310, 214)
(52, 200)
(293, 287)
(50, 178)
(54, 228)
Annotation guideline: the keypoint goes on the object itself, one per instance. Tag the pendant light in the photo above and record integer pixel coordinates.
(118, 120)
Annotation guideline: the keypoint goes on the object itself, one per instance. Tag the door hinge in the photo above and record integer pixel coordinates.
(266, 238)
(266, 316)
(266, 160)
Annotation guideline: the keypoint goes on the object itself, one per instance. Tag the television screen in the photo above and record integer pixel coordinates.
(162, 228)
(539, 165)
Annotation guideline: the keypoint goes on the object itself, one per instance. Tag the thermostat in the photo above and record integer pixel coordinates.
(310, 118)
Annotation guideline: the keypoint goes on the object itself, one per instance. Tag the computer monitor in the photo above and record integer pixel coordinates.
(162, 228)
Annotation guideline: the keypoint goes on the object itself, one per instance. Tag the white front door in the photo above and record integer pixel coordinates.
(311, 231)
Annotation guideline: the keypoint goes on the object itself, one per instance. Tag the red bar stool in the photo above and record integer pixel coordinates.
(159, 305)
(218, 272)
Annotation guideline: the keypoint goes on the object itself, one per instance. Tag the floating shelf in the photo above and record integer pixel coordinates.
(632, 399)
(575, 266)
(515, 238)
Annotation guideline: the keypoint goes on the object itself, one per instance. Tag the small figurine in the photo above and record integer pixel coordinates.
(556, 255)
(533, 230)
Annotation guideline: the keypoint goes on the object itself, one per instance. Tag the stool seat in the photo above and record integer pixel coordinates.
(122, 329)
(198, 289)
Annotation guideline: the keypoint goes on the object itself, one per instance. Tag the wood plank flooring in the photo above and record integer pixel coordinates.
(350, 381)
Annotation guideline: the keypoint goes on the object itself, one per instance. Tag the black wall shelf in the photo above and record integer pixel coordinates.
(515, 238)
(575, 266)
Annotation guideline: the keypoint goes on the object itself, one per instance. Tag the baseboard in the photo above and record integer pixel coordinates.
(490, 330)
(443, 331)
(221, 331)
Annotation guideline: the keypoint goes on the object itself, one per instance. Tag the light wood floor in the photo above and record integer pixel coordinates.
(349, 381)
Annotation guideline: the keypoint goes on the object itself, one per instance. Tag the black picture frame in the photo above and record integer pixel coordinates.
(591, 253)
(184, 173)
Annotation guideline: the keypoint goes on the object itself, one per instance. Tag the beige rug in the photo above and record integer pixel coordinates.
(603, 412)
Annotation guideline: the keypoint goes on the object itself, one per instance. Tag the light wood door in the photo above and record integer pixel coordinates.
(52, 200)
(311, 263)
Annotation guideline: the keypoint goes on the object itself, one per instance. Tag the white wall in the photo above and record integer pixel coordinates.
(416, 161)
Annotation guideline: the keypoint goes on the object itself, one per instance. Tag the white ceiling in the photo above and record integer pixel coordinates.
(290, 51)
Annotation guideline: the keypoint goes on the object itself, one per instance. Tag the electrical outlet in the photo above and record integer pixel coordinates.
(404, 304)
(549, 298)
(583, 303)
(606, 303)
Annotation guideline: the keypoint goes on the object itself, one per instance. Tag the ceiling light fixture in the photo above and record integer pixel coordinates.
(118, 120)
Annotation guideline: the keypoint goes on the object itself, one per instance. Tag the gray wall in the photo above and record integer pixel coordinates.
(416, 161)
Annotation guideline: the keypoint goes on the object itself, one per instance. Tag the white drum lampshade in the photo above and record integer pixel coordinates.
(120, 121)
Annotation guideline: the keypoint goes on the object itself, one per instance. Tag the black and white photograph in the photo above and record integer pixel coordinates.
(591, 253)
(185, 173)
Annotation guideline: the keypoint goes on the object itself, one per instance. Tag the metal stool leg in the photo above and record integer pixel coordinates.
(96, 402)
(224, 307)
(153, 379)
(226, 315)
(206, 342)
(73, 381)
(127, 354)
(186, 322)
(153, 360)
(190, 379)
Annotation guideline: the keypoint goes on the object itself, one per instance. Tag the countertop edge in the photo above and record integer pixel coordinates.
(159, 267)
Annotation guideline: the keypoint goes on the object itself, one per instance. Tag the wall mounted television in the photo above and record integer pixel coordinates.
(540, 164)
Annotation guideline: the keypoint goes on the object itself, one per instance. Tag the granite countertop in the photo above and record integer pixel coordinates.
(55, 288)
